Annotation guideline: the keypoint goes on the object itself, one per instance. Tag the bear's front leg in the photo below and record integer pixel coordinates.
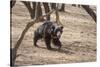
(57, 42)
(48, 43)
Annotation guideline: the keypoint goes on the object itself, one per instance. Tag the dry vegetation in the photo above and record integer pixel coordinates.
(78, 38)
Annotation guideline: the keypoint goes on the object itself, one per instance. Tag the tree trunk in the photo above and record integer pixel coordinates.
(46, 7)
(53, 5)
(62, 8)
(74, 5)
(39, 10)
(90, 12)
(34, 8)
(57, 17)
(30, 9)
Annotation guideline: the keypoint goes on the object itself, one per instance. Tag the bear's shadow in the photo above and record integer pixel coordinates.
(62, 50)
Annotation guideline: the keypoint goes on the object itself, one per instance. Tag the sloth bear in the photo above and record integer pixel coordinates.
(50, 33)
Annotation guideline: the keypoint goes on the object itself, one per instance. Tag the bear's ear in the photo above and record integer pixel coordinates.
(61, 27)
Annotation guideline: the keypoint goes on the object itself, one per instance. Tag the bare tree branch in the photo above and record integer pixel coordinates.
(90, 12)
(17, 45)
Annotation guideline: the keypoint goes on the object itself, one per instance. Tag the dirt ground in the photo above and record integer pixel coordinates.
(78, 38)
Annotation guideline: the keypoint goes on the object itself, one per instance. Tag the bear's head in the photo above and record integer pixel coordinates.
(57, 32)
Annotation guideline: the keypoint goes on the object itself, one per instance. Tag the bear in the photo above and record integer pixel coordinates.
(50, 32)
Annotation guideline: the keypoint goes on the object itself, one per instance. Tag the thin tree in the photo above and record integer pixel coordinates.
(53, 5)
(62, 8)
(38, 10)
(57, 16)
(46, 7)
(74, 5)
(30, 9)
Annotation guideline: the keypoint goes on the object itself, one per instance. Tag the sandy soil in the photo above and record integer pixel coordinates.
(78, 39)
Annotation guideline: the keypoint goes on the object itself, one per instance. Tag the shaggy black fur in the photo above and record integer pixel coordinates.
(50, 33)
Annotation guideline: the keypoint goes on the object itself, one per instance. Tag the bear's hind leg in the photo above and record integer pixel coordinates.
(35, 39)
(35, 42)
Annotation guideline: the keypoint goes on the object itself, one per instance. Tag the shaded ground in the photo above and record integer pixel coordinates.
(78, 38)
